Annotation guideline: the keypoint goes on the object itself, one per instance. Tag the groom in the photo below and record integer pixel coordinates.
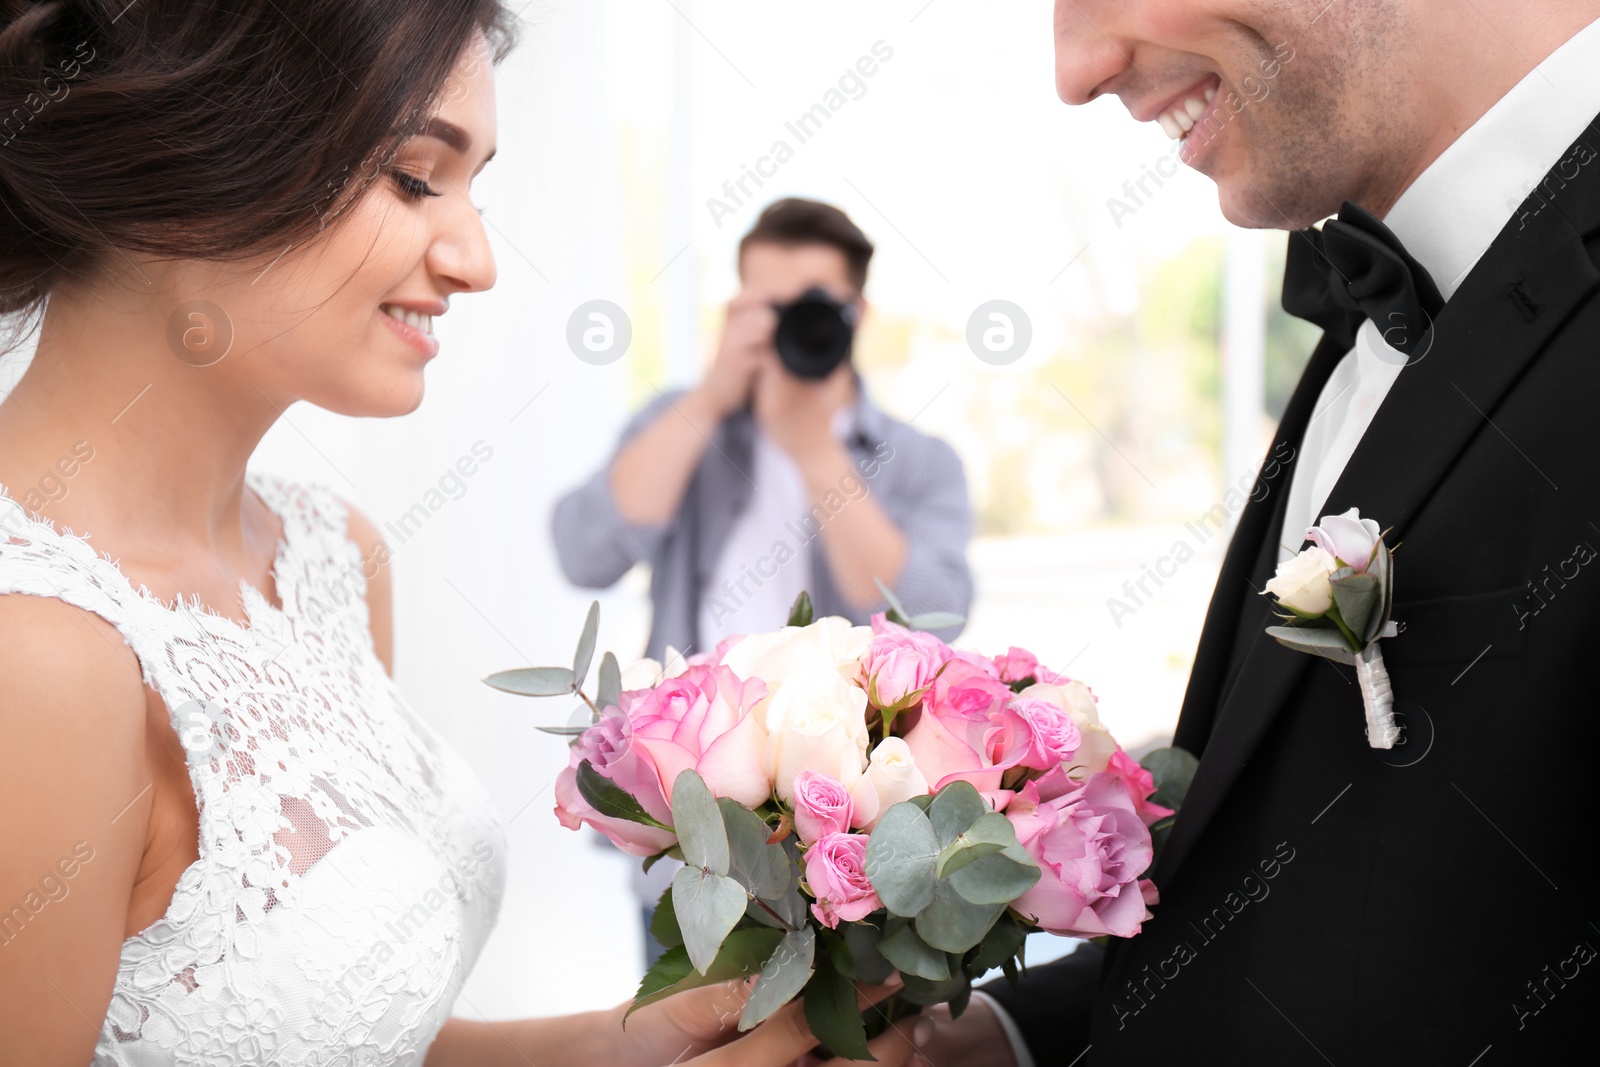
(1323, 901)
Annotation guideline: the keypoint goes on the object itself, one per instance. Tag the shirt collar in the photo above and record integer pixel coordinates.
(1450, 215)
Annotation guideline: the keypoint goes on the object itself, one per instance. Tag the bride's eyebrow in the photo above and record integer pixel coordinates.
(451, 134)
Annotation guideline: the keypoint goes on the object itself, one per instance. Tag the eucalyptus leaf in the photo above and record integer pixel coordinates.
(996, 879)
(535, 681)
(1358, 597)
(897, 611)
(742, 955)
(868, 963)
(902, 946)
(761, 868)
(901, 854)
(954, 809)
(1383, 567)
(800, 612)
(584, 654)
(609, 798)
(953, 924)
(664, 922)
(783, 976)
(673, 852)
(927, 993)
(708, 906)
(1329, 644)
(989, 834)
(1001, 943)
(701, 832)
(610, 684)
(563, 731)
(1173, 769)
(831, 1012)
(936, 620)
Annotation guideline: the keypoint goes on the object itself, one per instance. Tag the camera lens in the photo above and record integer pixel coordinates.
(814, 333)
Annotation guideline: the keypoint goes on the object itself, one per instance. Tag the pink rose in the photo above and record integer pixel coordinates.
(900, 661)
(837, 876)
(607, 745)
(1092, 848)
(1140, 784)
(702, 721)
(1348, 538)
(952, 735)
(822, 806)
(1016, 664)
(1033, 733)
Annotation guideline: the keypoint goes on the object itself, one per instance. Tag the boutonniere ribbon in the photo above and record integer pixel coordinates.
(1336, 598)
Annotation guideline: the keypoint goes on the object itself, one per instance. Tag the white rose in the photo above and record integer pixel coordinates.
(1074, 698)
(891, 776)
(816, 721)
(647, 673)
(829, 643)
(1301, 584)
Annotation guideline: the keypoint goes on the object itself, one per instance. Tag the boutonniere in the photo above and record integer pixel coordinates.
(1337, 596)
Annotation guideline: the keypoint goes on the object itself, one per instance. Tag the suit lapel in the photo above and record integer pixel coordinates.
(1531, 279)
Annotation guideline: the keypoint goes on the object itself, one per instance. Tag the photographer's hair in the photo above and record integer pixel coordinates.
(197, 129)
(792, 221)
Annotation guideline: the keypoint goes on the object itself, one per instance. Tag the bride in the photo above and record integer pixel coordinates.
(229, 840)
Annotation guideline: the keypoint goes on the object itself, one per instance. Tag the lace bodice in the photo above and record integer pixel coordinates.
(350, 864)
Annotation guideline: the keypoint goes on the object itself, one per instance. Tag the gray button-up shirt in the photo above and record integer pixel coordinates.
(918, 480)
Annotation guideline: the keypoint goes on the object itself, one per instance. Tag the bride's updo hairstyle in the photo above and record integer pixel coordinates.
(205, 129)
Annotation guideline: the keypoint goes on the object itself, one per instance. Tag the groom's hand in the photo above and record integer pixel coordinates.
(975, 1040)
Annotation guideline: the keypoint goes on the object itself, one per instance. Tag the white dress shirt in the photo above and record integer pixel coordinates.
(762, 589)
(1446, 219)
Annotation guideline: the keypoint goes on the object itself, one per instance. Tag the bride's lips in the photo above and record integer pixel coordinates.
(424, 343)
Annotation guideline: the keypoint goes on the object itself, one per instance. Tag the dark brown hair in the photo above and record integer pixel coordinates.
(205, 129)
(793, 221)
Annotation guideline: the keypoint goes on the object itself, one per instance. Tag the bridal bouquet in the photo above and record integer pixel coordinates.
(851, 801)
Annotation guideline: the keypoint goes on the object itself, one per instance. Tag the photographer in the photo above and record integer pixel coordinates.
(776, 474)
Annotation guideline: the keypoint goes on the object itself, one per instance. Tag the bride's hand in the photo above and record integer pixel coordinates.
(703, 1023)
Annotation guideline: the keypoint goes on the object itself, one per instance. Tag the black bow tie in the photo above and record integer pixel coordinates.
(1355, 268)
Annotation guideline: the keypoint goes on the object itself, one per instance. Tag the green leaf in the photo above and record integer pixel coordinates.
(664, 922)
(563, 731)
(1173, 769)
(610, 686)
(936, 620)
(952, 924)
(785, 973)
(996, 879)
(927, 993)
(991, 833)
(585, 651)
(911, 955)
(609, 798)
(897, 611)
(1357, 596)
(742, 955)
(535, 681)
(1329, 644)
(1001, 943)
(901, 854)
(831, 1012)
(708, 906)
(673, 851)
(800, 611)
(1383, 566)
(866, 961)
(701, 832)
(761, 868)
(954, 809)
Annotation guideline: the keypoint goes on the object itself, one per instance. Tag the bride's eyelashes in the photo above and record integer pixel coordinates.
(414, 188)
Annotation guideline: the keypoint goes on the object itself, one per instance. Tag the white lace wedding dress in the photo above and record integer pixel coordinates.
(350, 864)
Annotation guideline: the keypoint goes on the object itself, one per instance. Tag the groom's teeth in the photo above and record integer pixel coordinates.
(1211, 94)
(1183, 117)
(1170, 125)
(1194, 107)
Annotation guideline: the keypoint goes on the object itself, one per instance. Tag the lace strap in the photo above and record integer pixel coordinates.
(38, 560)
(325, 575)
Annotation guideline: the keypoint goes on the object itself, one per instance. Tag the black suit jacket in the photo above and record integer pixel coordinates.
(1320, 903)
